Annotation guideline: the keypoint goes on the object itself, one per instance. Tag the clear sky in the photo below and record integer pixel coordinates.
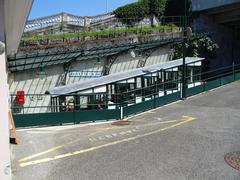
(78, 7)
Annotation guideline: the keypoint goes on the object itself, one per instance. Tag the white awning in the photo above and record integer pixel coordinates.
(73, 88)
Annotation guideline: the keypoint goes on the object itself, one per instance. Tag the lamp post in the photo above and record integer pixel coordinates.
(183, 95)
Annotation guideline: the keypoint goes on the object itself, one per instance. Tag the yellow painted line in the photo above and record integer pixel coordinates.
(44, 160)
(162, 122)
(99, 129)
(68, 131)
(41, 153)
(41, 132)
(50, 150)
(150, 112)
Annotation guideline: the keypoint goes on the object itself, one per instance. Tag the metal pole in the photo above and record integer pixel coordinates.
(233, 58)
(183, 95)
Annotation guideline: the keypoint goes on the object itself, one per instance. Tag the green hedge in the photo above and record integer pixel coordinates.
(145, 29)
(135, 12)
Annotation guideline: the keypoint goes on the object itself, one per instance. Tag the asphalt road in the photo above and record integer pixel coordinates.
(183, 141)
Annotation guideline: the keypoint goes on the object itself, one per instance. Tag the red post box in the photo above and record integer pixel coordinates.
(20, 99)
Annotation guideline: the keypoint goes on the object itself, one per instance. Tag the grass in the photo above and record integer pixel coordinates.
(145, 29)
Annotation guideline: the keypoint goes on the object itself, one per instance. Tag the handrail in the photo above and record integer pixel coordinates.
(121, 99)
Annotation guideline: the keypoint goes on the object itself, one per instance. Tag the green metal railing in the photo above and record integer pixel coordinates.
(78, 108)
(215, 78)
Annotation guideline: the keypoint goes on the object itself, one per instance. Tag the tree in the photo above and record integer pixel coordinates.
(204, 47)
(135, 12)
(132, 13)
(156, 8)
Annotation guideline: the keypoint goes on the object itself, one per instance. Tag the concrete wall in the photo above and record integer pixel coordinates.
(25, 80)
(88, 68)
(159, 55)
(226, 38)
(32, 83)
(199, 5)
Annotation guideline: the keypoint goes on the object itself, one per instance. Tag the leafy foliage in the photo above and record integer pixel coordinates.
(135, 12)
(138, 30)
(201, 47)
(157, 7)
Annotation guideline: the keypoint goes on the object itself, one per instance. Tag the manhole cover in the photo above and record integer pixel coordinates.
(121, 123)
(233, 159)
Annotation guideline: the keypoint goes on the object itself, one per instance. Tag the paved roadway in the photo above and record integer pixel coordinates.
(183, 141)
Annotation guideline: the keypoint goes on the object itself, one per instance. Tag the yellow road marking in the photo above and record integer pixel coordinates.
(51, 149)
(71, 142)
(109, 128)
(60, 131)
(41, 132)
(150, 112)
(41, 153)
(44, 160)
(162, 122)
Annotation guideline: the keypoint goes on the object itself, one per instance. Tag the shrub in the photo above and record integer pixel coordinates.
(157, 7)
(135, 12)
(205, 47)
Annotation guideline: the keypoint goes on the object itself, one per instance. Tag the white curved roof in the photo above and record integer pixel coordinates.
(73, 88)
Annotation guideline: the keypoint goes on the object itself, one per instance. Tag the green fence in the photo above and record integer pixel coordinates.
(43, 119)
(212, 84)
(194, 90)
(140, 107)
(149, 98)
(60, 118)
(94, 115)
(237, 76)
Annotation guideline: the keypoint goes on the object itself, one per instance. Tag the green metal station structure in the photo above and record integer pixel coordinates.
(126, 89)
(115, 96)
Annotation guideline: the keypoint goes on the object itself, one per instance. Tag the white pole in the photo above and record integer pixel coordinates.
(5, 168)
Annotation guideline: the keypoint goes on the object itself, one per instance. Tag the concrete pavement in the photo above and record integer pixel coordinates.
(183, 141)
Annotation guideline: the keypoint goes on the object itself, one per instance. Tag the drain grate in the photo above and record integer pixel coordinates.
(233, 160)
(121, 123)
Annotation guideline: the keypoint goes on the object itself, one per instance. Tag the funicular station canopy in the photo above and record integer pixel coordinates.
(128, 92)
(115, 96)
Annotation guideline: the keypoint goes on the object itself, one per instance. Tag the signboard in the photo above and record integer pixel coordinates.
(84, 73)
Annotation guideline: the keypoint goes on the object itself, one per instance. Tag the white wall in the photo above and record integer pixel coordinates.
(158, 56)
(5, 170)
(85, 65)
(124, 62)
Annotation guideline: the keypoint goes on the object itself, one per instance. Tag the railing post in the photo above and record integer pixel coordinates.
(233, 70)
(154, 96)
(121, 107)
(184, 52)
